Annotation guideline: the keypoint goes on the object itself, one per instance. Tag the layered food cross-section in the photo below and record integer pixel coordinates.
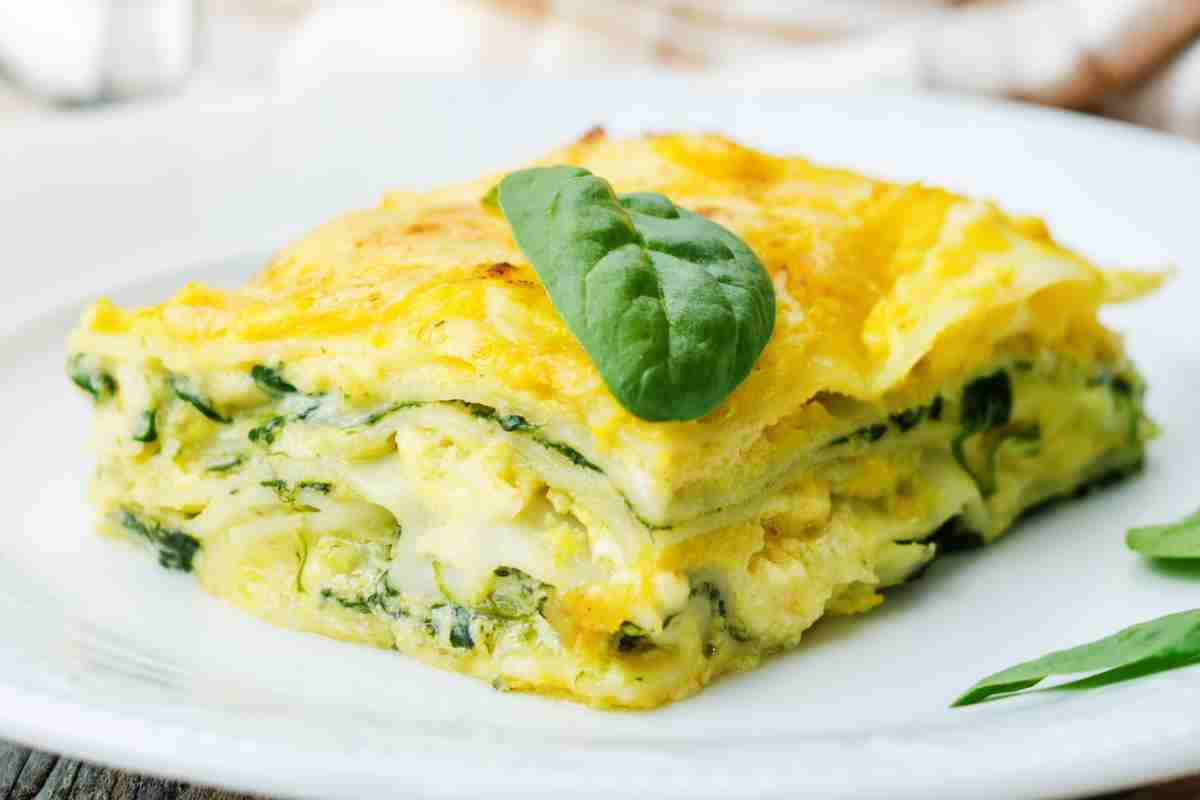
(391, 437)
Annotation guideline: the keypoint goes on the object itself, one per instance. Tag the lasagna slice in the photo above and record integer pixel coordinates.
(390, 436)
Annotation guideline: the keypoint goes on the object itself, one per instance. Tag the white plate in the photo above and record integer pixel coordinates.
(103, 655)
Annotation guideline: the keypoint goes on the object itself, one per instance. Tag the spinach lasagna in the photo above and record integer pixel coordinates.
(390, 436)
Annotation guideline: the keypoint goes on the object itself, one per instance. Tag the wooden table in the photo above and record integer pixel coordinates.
(31, 775)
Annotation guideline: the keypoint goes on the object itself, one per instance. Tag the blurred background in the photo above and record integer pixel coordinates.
(1137, 60)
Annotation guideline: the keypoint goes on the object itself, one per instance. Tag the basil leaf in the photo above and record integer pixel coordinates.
(266, 433)
(1160, 644)
(228, 464)
(672, 308)
(1178, 540)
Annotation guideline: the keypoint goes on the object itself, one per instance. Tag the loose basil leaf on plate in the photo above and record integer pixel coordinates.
(672, 308)
(1148, 647)
(1177, 540)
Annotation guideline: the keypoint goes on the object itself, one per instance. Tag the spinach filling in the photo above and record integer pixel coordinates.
(1127, 397)
(185, 390)
(650, 526)
(289, 494)
(146, 429)
(632, 638)
(513, 423)
(516, 598)
(377, 416)
(86, 373)
(515, 595)
(986, 405)
(720, 611)
(227, 465)
(954, 535)
(176, 549)
(383, 600)
(869, 433)
(985, 415)
(986, 412)
(460, 629)
(903, 421)
(570, 453)
(363, 604)
(269, 381)
(509, 423)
